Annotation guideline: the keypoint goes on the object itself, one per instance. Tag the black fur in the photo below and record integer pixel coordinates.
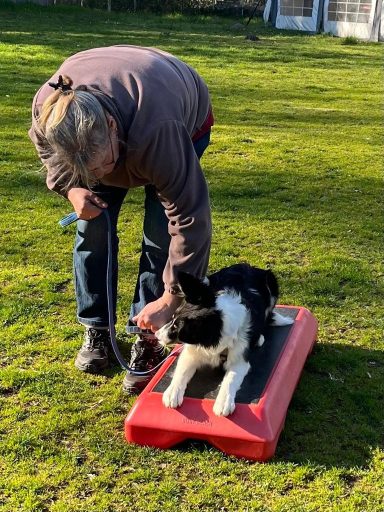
(245, 280)
(197, 322)
(200, 326)
(196, 292)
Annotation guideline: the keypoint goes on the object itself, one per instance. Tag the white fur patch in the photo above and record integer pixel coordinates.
(186, 366)
(162, 334)
(234, 339)
(279, 320)
(233, 378)
(236, 317)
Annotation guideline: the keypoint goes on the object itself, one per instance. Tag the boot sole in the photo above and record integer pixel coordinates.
(136, 387)
(91, 368)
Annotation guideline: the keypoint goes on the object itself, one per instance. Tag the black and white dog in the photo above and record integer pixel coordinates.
(228, 314)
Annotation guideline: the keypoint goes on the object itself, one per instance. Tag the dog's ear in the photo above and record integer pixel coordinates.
(195, 291)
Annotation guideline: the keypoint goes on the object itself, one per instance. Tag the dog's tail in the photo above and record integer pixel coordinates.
(279, 320)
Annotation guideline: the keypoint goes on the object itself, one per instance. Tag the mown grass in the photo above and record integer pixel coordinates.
(295, 174)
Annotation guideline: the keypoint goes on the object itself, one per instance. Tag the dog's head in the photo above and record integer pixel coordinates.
(197, 321)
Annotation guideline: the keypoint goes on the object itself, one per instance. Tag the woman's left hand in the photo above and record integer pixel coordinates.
(157, 313)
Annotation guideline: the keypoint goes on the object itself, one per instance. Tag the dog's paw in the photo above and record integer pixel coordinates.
(224, 406)
(173, 397)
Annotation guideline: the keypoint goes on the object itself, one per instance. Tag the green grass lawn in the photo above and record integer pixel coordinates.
(295, 174)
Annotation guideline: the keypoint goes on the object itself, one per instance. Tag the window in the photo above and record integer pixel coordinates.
(296, 8)
(351, 11)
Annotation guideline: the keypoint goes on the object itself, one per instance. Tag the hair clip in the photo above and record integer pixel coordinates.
(60, 85)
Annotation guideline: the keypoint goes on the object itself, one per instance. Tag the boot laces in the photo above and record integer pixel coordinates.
(145, 356)
(96, 339)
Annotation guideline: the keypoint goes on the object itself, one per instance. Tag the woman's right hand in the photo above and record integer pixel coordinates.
(86, 204)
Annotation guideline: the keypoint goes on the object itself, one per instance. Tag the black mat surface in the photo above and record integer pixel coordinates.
(206, 381)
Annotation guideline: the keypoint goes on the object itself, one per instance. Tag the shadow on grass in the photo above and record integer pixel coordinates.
(340, 212)
(213, 47)
(77, 29)
(335, 417)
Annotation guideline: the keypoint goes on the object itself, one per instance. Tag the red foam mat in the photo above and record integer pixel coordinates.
(252, 431)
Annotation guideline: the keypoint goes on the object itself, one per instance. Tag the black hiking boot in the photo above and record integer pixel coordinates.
(146, 354)
(93, 355)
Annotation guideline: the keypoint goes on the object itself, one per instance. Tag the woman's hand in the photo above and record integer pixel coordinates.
(156, 314)
(86, 204)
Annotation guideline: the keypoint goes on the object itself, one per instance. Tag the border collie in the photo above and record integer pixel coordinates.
(224, 317)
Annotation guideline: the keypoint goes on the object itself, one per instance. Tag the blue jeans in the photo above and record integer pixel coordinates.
(91, 248)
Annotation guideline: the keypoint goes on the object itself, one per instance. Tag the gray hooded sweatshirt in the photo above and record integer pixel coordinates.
(159, 104)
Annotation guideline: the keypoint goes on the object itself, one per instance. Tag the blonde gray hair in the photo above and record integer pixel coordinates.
(75, 126)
